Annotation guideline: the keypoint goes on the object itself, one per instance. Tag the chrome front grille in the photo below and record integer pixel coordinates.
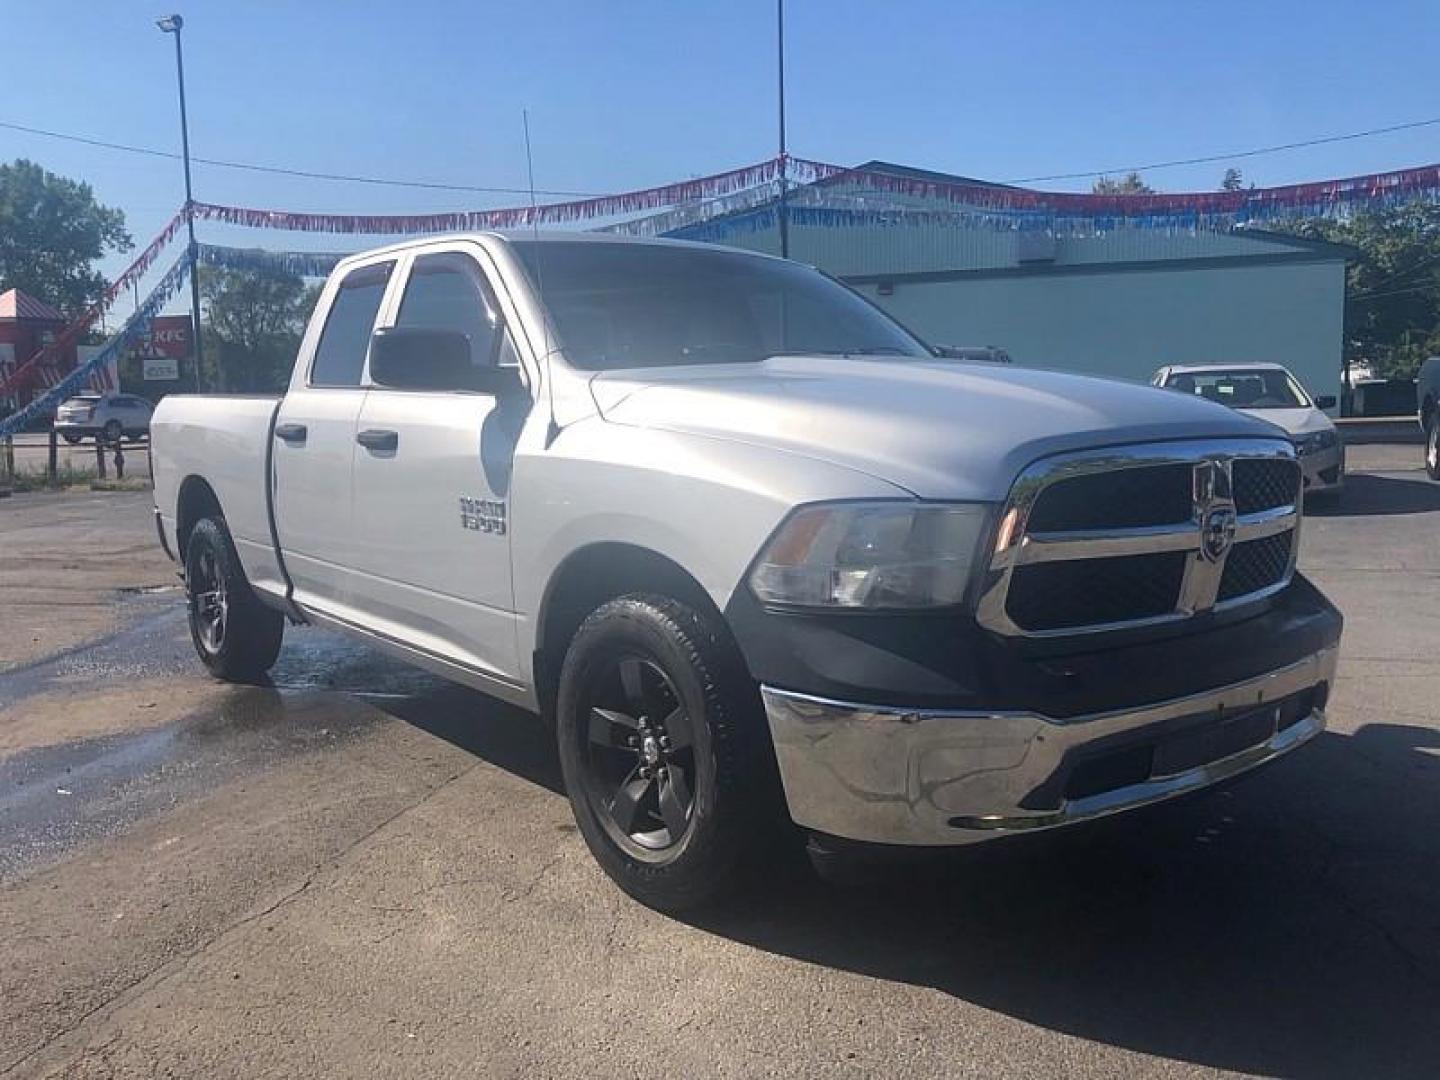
(1136, 536)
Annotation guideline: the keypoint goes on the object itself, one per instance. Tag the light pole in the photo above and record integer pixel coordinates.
(784, 208)
(172, 24)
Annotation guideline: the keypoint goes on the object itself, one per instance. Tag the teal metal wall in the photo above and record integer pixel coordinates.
(1121, 304)
(1127, 323)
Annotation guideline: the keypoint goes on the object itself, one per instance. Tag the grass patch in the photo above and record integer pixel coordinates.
(70, 477)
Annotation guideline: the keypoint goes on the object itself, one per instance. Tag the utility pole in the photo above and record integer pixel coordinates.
(784, 207)
(172, 24)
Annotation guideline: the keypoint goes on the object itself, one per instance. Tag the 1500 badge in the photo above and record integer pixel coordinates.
(482, 515)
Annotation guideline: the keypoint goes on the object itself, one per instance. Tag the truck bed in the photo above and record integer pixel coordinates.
(226, 439)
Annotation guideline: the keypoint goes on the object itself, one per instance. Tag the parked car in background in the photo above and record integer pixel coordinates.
(1427, 398)
(1271, 393)
(105, 416)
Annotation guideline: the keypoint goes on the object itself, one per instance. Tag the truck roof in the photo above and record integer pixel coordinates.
(528, 236)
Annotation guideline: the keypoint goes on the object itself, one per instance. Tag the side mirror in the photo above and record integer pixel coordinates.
(418, 358)
(1325, 401)
(987, 353)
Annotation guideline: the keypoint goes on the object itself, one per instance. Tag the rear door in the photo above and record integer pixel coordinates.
(432, 481)
(314, 441)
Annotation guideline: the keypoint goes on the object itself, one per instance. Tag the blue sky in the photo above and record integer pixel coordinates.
(625, 95)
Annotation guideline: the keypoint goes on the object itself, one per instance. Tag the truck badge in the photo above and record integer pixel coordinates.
(482, 515)
(1218, 532)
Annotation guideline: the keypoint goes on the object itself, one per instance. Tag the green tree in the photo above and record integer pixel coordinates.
(1233, 181)
(252, 327)
(1392, 303)
(52, 231)
(1129, 184)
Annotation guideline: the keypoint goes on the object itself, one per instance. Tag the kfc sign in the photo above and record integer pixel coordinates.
(169, 336)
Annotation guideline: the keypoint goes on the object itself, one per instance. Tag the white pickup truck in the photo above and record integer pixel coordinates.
(757, 554)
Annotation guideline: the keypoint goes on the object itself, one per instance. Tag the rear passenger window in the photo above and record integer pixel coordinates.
(340, 356)
(448, 292)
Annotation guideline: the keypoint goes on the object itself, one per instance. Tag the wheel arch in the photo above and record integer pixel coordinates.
(196, 501)
(587, 578)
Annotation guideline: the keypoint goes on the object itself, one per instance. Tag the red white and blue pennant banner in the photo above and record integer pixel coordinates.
(1196, 209)
(70, 336)
(515, 217)
(310, 264)
(135, 328)
(820, 185)
(822, 196)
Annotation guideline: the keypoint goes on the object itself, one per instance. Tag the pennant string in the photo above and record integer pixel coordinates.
(821, 196)
(134, 329)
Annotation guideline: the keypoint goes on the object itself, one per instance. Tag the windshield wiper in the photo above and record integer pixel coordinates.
(864, 350)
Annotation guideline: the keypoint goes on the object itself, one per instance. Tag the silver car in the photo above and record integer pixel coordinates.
(106, 416)
(1271, 393)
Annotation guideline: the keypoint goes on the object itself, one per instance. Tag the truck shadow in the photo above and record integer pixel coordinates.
(506, 737)
(1370, 495)
(1285, 927)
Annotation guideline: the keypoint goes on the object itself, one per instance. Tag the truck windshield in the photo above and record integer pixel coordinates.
(647, 305)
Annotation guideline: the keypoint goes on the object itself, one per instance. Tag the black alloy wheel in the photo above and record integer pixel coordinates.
(209, 601)
(665, 752)
(640, 768)
(236, 636)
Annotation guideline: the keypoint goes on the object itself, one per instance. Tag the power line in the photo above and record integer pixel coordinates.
(1211, 158)
(306, 174)
(1391, 292)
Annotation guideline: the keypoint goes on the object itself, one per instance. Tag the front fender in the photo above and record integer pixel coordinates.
(705, 504)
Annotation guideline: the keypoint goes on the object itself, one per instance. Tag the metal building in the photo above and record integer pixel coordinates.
(1119, 303)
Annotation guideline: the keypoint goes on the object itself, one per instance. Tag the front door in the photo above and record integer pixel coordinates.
(432, 485)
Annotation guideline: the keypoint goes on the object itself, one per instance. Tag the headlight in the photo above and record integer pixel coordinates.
(1315, 441)
(871, 555)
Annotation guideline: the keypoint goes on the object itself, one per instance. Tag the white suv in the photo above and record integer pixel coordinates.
(108, 416)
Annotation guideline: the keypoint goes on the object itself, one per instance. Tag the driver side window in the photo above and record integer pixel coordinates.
(448, 292)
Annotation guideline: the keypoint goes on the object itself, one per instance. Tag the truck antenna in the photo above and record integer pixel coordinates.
(546, 373)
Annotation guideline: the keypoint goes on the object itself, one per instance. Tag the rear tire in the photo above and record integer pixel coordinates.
(1432, 445)
(235, 635)
(664, 752)
(73, 440)
(112, 432)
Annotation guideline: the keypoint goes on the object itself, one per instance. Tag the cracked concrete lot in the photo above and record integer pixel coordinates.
(365, 871)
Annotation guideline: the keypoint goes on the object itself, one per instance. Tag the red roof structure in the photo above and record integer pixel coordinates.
(17, 305)
(27, 325)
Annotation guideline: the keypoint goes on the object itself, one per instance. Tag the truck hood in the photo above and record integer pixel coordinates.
(939, 430)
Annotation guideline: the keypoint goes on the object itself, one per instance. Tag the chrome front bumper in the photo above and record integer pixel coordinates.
(901, 776)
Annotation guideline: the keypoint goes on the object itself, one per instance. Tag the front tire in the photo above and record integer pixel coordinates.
(235, 635)
(1432, 445)
(662, 749)
(73, 440)
(112, 432)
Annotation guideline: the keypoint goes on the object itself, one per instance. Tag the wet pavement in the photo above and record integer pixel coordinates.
(366, 870)
(55, 796)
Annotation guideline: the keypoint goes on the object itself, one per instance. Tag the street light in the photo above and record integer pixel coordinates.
(171, 24)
